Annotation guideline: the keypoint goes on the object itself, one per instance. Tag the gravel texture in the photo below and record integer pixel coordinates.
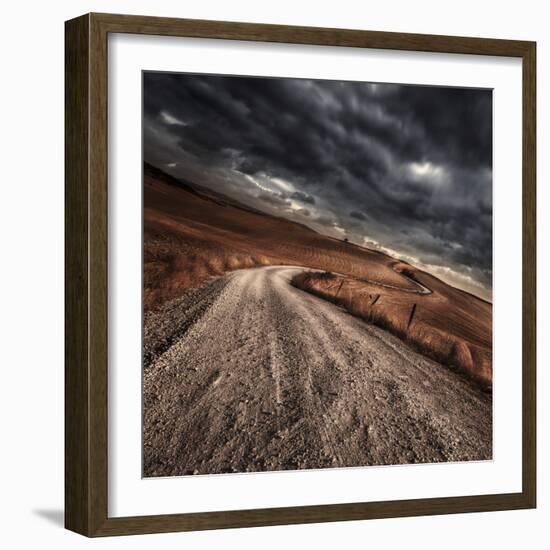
(249, 373)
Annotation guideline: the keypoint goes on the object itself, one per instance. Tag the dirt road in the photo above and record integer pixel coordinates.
(251, 374)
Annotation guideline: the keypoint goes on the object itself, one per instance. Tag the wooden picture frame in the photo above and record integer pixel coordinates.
(86, 414)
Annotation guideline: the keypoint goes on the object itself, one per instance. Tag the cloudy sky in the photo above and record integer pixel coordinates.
(407, 169)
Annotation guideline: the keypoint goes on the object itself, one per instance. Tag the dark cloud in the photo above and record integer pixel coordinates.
(418, 159)
(302, 197)
(275, 199)
(358, 215)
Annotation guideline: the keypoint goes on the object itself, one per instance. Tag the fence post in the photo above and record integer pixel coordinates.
(411, 315)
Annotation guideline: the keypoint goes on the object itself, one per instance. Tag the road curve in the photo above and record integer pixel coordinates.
(251, 374)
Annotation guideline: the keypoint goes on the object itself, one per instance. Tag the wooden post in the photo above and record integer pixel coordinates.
(411, 315)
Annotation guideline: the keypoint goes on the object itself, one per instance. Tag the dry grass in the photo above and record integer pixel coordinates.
(403, 316)
(173, 264)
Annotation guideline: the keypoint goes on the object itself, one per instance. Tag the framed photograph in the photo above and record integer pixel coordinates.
(300, 275)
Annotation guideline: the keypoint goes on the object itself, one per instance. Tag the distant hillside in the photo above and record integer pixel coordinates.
(200, 190)
(192, 234)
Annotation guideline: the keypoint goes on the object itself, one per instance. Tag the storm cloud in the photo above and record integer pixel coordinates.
(358, 215)
(303, 197)
(407, 169)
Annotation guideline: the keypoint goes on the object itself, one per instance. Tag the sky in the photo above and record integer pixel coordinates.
(401, 168)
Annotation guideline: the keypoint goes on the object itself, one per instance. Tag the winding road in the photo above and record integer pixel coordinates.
(249, 373)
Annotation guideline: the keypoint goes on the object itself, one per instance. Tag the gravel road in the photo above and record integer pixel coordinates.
(251, 374)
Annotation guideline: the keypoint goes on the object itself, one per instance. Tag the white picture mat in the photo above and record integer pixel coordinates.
(129, 494)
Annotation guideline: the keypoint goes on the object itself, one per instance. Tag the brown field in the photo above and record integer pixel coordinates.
(192, 234)
(448, 325)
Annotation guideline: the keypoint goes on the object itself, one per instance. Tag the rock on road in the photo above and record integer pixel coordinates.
(251, 374)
